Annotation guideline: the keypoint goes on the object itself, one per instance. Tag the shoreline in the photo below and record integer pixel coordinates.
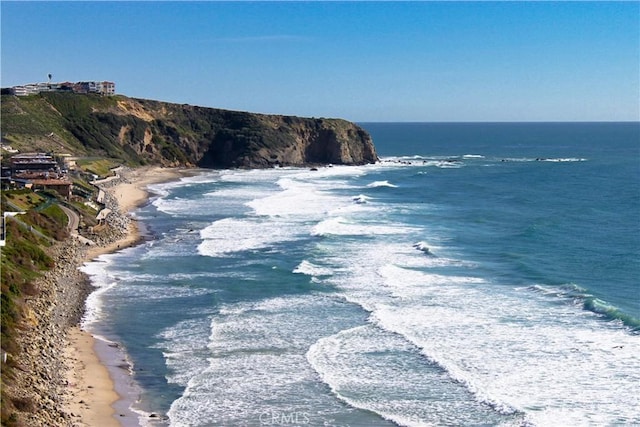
(95, 396)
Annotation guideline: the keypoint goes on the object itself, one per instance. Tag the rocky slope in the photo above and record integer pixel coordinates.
(39, 386)
(139, 131)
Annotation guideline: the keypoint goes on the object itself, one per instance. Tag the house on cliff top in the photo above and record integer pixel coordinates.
(100, 87)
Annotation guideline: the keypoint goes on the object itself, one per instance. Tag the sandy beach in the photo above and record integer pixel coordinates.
(89, 382)
(91, 386)
(129, 195)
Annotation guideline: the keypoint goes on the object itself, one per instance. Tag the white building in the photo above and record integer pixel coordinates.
(103, 88)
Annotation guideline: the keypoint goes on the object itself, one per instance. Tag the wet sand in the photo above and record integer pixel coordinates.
(90, 384)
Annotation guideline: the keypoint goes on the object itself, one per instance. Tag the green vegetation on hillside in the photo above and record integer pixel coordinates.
(66, 122)
(85, 118)
(20, 200)
(24, 259)
(30, 119)
(98, 166)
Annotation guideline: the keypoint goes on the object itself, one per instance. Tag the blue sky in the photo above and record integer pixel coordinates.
(363, 61)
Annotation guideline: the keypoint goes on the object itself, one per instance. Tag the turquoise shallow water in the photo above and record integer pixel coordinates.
(480, 274)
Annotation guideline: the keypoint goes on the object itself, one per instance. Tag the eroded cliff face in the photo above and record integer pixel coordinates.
(216, 138)
(139, 131)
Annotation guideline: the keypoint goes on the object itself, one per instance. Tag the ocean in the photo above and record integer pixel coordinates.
(480, 274)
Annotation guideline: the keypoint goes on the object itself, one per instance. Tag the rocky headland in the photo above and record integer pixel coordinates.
(146, 132)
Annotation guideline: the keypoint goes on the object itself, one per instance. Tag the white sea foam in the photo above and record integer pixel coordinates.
(103, 281)
(179, 206)
(374, 370)
(184, 347)
(295, 200)
(94, 306)
(346, 227)
(450, 164)
(230, 235)
(164, 189)
(251, 176)
(385, 183)
(306, 193)
(255, 356)
(163, 291)
(225, 200)
(243, 194)
(451, 319)
(402, 161)
(544, 159)
(328, 175)
(443, 162)
(310, 269)
(223, 194)
(522, 369)
(565, 159)
(184, 277)
(539, 345)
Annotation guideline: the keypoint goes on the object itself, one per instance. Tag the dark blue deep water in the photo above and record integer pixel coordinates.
(479, 274)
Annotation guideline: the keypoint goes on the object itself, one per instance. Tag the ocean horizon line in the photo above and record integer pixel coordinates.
(463, 122)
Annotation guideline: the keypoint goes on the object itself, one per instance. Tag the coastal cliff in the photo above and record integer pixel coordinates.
(138, 131)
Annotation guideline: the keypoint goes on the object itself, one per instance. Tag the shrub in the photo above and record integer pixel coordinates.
(23, 259)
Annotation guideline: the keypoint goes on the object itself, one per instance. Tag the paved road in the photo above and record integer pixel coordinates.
(72, 226)
(74, 220)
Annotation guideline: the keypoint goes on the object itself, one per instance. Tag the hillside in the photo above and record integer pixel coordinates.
(137, 131)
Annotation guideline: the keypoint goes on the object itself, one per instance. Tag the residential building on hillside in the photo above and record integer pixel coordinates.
(33, 162)
(40, 171)
(103, 88)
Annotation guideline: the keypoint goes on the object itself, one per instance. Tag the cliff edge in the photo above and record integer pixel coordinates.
(139, 131)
